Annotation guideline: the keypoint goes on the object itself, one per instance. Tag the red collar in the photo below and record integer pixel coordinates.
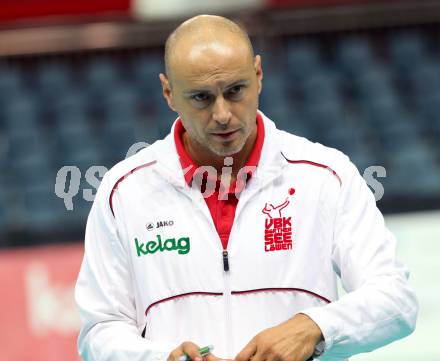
(190, 167)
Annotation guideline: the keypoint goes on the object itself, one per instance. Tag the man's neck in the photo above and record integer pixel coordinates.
(203, 157)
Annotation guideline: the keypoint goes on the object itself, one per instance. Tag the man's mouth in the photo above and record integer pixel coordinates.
(225, 135)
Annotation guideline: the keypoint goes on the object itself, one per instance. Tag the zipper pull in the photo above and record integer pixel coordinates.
(225, 261)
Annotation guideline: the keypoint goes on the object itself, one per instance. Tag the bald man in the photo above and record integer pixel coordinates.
(232, 233)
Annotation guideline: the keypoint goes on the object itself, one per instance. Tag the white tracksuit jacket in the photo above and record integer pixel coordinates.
(154, 261)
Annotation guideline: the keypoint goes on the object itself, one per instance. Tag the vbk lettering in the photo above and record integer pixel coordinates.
(278, 234)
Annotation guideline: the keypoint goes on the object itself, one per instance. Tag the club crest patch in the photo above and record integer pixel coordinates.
(278, 229)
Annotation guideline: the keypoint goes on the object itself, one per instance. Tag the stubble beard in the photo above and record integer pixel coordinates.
(225, 151)
(217, 148)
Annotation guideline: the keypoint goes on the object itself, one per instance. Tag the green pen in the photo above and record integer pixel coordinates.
(203, 351)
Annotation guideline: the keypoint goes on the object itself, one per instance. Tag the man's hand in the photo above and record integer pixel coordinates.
(192, 350)
(293, 340)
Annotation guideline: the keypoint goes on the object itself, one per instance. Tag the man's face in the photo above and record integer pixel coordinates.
(214, 88)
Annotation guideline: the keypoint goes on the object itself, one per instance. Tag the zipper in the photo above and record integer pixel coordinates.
(227, 299)
(225, 261)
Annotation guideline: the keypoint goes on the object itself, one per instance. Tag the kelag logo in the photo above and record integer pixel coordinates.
(182, 246)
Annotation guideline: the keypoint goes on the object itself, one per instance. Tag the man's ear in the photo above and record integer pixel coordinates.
(258, 72)
(166, 90)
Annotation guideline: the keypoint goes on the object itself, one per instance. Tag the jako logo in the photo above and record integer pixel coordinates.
(164, 224)
(182, 246)
(150, 226)
(159, 224)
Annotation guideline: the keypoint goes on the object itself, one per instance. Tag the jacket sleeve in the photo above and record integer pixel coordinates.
(379, 306)
(104, 294)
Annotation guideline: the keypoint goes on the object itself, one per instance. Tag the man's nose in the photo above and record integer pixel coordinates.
(221, 112)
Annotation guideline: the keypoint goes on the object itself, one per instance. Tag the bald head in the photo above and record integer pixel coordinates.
(202, 33)
(213, 83)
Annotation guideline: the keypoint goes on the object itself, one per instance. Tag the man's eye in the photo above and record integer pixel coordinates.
(235, 89)
(200, 97)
